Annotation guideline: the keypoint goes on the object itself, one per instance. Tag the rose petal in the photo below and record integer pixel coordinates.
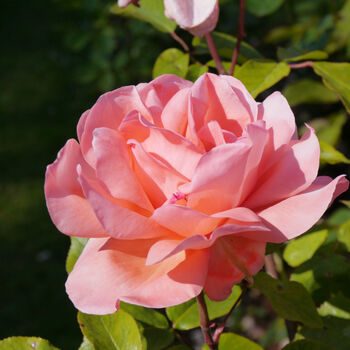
(295, 215)
(197, 16)
(293, 173)
(111, 270)
(68, 208)
(232, 258)
(113, 167)
(279, 117)
(120, 218)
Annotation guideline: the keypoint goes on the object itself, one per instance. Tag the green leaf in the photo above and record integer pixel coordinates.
(225, 45)
(306, 278)
(346, 203)
(292, 54)
(335, 333)
(186, 316)
(337, 306)
(145, 315)
(341, 34)
(151, 11)
(257, 76)
(289, 299)
(329, 155)
(330, 133)
(308, 91)
(336, 76)
(117, 331)
(158, 339)
(344, 234)
(195, 71)
(225, 64)
(231, 341)
(179, 347)
(302, 249)
(86, 345)
(263, 8)
(77, 245)
(171, 61)
(26, 343)
(339, 216)
(305, 344)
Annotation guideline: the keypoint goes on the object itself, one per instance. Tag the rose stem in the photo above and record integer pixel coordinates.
(301, 65)
(270, 269)
(214, 53)
(204, 321)
(180, 41)
(222, 326)
(240, 35)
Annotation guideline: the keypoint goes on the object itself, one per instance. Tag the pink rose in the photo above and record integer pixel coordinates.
(179, 186)
(197, 16)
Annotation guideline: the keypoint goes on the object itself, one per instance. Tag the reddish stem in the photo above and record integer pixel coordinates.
(222, 326)
(214, 53)
(240, 35)
(180, 41)
(204, 322)
(301, 65)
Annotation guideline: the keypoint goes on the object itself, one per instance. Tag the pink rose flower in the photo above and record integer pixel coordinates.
(179, 186)
(197, 16)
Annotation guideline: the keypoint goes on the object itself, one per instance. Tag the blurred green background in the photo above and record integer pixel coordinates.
(57, 57)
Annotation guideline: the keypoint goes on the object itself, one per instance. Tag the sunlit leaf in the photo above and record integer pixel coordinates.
(258, 75)
(302, 249)
(116, 331)
(263, 8)
(171, 61)
(330, 133)
(225, 64)
(195, 71)
(336, 76)
(337, 306)
(292, 54)
(86, 345)
(151, 11)
(330, 155)
(289, 299)
(308, 91)
(26, 343)
(225, 45)
(77, 245)
(231, 341)
(186, 316)
(145, 315)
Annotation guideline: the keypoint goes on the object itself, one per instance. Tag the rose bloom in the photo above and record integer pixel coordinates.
(197, 16)
(179, 186)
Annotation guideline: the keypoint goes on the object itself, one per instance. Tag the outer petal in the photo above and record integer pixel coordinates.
(277, 114)
(67, 205)
(232, 258)
(113, 270)
(197, 16)
(120, 219)
(113, 167)
(295, 215)
(109, 111)
(165, 248)
(293, 173)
